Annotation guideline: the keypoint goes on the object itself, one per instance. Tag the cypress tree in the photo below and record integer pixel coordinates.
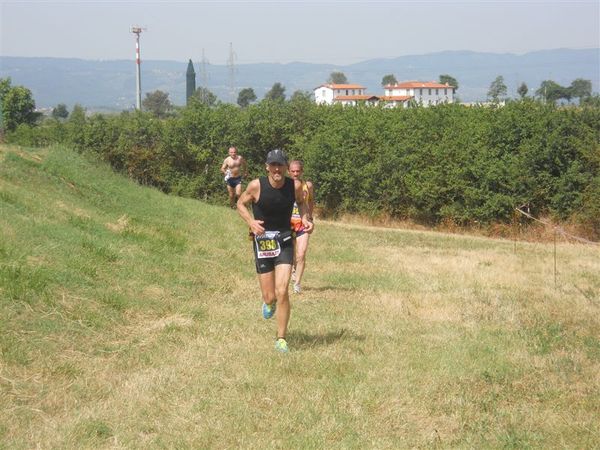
(190, 77)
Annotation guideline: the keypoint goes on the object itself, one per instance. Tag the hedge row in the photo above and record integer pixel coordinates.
(444, 163)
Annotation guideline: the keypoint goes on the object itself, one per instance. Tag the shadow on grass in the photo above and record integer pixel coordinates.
(305, 340)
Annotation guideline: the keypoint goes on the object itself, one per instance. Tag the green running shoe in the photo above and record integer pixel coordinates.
(281, 345)
(268, 310)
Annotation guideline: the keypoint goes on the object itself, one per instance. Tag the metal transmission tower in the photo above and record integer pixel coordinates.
(204, 75)
(231, 68)
(138, 82)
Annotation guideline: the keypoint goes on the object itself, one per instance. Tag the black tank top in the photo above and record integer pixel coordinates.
(274, 206)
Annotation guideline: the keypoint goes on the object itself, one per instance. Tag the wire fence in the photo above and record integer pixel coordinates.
(558, 230)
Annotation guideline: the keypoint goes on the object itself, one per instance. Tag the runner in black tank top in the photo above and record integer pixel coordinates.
(272, 200)
(275, 206)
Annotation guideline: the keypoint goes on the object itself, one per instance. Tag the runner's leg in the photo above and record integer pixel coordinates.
(267, 287)
(238, 190)
(282, 280)
(231, 192)
(301, 247)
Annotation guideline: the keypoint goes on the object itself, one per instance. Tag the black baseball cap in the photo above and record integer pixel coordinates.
(277, 156)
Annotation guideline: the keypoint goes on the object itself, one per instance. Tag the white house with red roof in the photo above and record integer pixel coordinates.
(353, 100)
(394, 101)
(425, 93)
(348, 93)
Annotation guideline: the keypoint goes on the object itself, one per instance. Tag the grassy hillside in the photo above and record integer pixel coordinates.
(131, 319)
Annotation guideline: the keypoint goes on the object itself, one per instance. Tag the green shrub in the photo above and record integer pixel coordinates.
(447, 163)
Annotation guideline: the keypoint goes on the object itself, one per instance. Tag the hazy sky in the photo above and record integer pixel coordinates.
(337, 32)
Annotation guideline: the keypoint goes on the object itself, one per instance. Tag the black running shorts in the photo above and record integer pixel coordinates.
(266, 265)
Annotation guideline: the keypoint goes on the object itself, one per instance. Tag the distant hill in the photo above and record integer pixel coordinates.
(110, 85)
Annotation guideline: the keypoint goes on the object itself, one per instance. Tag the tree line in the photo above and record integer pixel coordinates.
(549, 91)
(18, 106)
(444, 164)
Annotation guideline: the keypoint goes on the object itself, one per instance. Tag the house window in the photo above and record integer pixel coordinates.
(445, 91)
(323, 93)
(347, 91)
(421, 92)
(429, 91)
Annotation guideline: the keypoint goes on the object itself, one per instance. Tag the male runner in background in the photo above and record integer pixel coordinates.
(272, 199)
(232, 169)
(296, 172)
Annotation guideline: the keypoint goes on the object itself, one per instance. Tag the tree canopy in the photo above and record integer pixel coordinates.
(18, 106)
(388, 79)
(245, 97)
(157, 103)
(204, 96)
(550, 91)
(450, 80)
(276, 93)
(497, 89)
(337, 78)
(462, 165)
(591, 101)
(60, 111)
(301, 96)
(522, 90)
(5, 85)
(581, 88)
(77, 116)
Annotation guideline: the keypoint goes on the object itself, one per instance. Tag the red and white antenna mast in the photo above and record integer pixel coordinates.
(137, 31)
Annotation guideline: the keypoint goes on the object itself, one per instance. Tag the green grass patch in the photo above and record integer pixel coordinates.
(131, 319)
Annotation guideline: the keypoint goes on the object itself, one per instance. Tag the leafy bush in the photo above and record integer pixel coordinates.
(447, 163)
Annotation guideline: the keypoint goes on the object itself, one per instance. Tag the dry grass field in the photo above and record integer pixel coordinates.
(131, 319)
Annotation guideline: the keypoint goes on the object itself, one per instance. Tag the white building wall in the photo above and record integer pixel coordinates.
(324, 95)
(425, 95)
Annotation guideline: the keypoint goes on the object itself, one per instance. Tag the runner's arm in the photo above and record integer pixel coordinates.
(303, 207)
(251, 194)
(311, 203)
(224, 167)
(244, 167)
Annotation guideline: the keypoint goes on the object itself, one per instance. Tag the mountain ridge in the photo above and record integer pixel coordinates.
(110, 84)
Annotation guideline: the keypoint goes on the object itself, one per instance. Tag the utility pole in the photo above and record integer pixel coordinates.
(138, 82)
(231, 67)
(1, 125)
